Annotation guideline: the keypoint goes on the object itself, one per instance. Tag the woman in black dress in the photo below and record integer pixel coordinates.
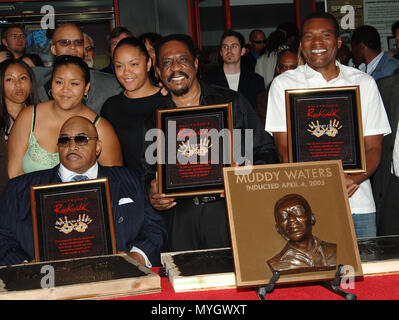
(133, 111)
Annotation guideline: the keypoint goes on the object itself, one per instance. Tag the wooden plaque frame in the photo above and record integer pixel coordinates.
(326, 124)
(178, 180)
(72, 220)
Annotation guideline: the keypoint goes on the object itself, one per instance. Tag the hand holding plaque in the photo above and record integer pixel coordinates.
(198, 144)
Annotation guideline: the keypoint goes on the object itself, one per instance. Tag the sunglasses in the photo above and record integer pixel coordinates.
(80, 140)
(67, 42)
(259, 41)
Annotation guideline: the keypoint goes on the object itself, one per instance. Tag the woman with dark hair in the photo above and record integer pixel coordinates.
(32, 60)
(149, 40)
(33, 139)
(5, 53)
(17, 90)
(133, 111)
(266, 63)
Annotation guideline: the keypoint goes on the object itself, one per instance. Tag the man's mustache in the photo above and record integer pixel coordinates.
(177, 74)
(73, 154)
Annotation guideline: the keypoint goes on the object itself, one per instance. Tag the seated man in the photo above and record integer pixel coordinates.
(138, 228)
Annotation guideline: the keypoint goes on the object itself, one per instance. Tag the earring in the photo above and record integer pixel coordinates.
(49, 94)
(85, 97)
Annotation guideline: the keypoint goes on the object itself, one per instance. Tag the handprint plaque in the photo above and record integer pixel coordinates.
(72, 220)
(197, 147)
(326, 124)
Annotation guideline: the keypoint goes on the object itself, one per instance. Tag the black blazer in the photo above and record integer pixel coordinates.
(136, 223)
(382, 180)
(250, 83)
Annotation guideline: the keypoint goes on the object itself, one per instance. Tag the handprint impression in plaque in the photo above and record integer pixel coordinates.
(200, 149)
(318, 130)
(303, 252)
(79, 225)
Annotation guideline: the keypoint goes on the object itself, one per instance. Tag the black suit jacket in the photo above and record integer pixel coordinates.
(386, 185)
(136, 223)
(250, 83)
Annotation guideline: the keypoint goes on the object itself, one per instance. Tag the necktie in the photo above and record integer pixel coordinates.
(79, 177)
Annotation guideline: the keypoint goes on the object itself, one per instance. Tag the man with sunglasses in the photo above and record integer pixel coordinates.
(257, 42)
(139, 229)
(68, 39)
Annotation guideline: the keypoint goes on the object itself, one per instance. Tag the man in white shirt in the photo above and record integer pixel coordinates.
(139, 229)
(319, 44)
(232, 74)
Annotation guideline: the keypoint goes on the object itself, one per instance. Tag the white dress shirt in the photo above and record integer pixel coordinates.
(374, 117)
(66, 175)
(395, 155)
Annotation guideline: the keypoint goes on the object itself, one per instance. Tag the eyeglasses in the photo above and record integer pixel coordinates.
(259, 41)
(89, 48)
(17, 36)
(181, 60)
(80, 140)
(67, 42)
(284, 67)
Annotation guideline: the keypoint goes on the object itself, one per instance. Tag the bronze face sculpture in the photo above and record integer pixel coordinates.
(303, 251)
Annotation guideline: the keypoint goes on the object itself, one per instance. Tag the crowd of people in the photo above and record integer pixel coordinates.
(70, 120)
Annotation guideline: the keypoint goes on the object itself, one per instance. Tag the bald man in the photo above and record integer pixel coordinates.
(139, 229)
(68, 40)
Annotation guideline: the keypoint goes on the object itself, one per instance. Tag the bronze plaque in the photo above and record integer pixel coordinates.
(197, 145)
(326, 124)
(72, 220)
(293, 218)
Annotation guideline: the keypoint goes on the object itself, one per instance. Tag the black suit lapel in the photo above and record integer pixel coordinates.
(222, 78)
(114, 185)
(242, 81)
(54, 177)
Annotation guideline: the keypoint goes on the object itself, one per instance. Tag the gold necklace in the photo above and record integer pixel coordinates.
(189, 103)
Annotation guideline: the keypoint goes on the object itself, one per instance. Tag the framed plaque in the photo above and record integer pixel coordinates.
(326, 124)
(72, 220)
(197, 145)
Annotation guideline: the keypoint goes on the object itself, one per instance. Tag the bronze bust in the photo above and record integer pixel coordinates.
(303, 252)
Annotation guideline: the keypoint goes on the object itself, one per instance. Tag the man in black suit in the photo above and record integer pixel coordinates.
(385, 181)
(232, 74)
(139, 229)
(201, 222)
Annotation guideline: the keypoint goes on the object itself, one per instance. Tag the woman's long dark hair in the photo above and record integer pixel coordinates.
(275, 40)
(5, 118)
